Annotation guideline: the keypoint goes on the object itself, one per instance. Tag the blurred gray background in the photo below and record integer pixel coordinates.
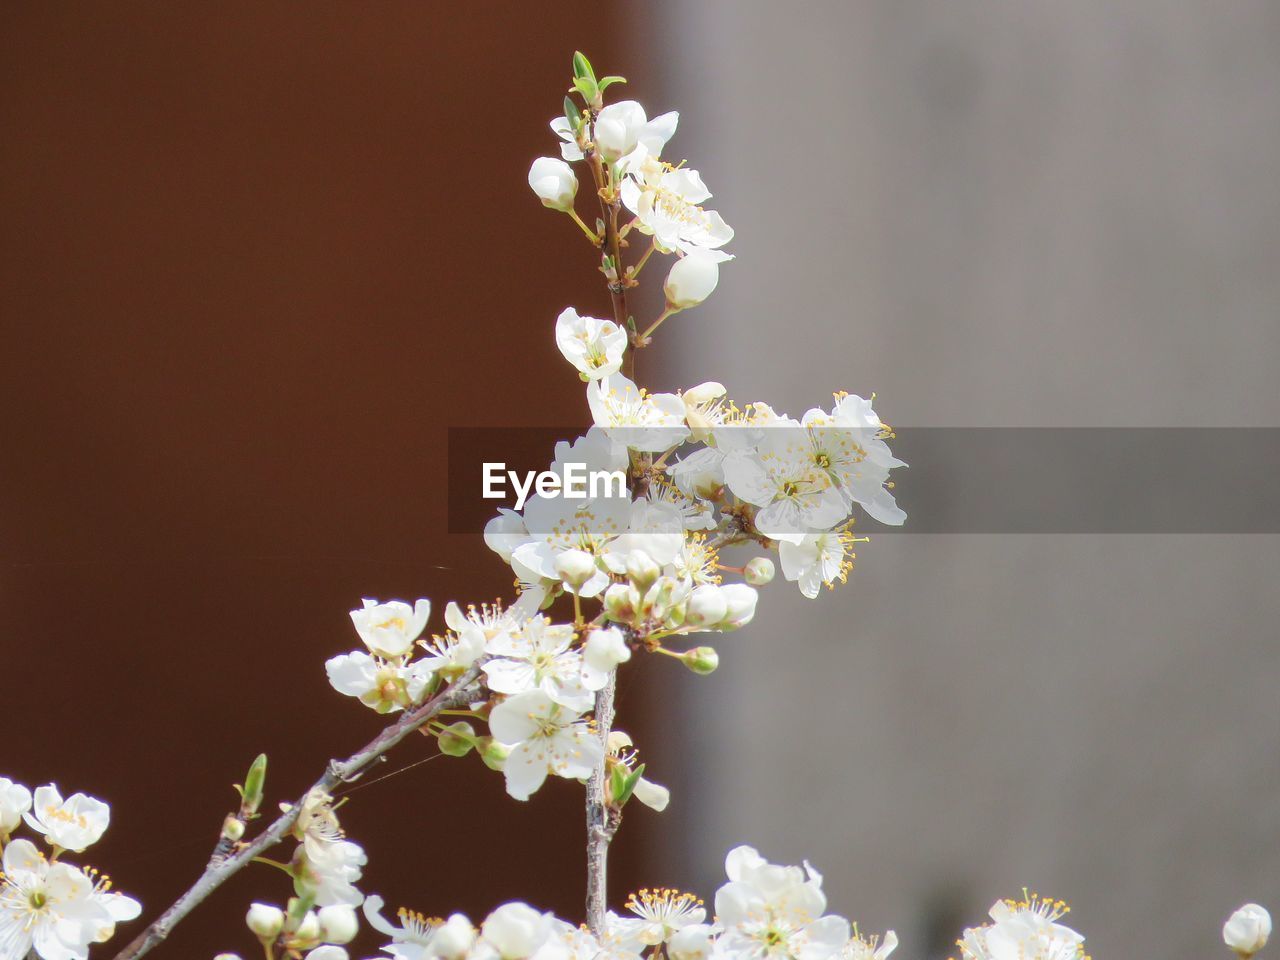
(1031, 213)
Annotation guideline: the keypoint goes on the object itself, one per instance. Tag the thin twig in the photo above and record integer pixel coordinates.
(222, 867)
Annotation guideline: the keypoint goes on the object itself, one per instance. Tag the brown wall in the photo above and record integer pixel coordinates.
(256, 259)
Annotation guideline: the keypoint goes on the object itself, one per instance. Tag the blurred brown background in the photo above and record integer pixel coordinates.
(256, 259)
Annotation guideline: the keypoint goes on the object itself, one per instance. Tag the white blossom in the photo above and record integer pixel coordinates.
(544, 738)
(648, 422)
(71, 824)
(870, 948)
(382, 685)
(390, 629)
(329, 873)
(662, 913)
(694, 942)
(1025, 929)
(818, 558)
(594, 346)
(15, 800)
(775, 912)
(605, 649)
(541, 657)
(54, 907)
(849, 445)
(794, 494)
(667, 203)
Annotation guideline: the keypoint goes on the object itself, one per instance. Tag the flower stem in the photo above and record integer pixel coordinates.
(601, 825)
(591, 234)
(654, 326)
(635, 271)
(609, 208)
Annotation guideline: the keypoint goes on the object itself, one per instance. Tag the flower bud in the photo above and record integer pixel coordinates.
(338, 923)
(308, 930)
(701, 660)
(707, 606)
(691, 280)
(554, 182)
(264, 920)
(662, 596)
(516, 929)
(327, 952)
(232, 828)
(758, 572)
(227, 956)
(621, 602)
(606, 649)
(492, 753)
(453, 938)
(741, 600)
(457, 739)
(641, 570)
(1246, 931)
(575, 567)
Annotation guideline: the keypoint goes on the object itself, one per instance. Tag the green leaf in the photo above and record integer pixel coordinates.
(572, 114)
(586, 88)
(582, 68)
(621, 796)
(604, 84)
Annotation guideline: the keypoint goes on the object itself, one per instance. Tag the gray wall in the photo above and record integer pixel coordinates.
(1032, 213)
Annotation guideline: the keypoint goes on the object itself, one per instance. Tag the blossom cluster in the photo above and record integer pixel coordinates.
(540, 678)
(320, 918)
(47, 904)
(764, 910)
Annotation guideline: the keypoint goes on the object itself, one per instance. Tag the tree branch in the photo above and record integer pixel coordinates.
(222, 867)
(600, 825)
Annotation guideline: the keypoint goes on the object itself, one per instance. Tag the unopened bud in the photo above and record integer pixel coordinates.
(707, 606)
(457, 739)
(665, 593)
(575, 567)
(621, 602)
(264, 920)
(227, 956)
(554, 183)
(308, 930)
(741, 601)
(338, 923)
(641, 570)
(1247, 930)
(691, 280)
(701, 660)
(492, 753)
(232, 829)
(759, 571)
